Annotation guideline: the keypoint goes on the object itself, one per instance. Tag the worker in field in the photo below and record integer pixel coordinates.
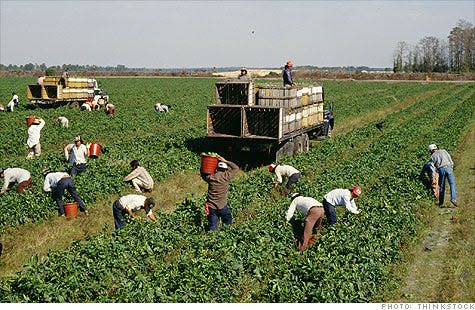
(15, 99)
(287, 75)
(293, 176)
(63, 121)
(110, 109)
(34, 135)
(445, 167)
(216, 206)
(340, 197)
(15, 175)
(86, 107)
(130, 204)
(160, 108)
(41, 79)
(313, 211)
(244, 76)
(428, 170)
(57, 183)
(76, 154)
(139, 177)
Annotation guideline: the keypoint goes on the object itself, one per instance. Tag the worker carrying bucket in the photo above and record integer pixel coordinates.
(218, 178)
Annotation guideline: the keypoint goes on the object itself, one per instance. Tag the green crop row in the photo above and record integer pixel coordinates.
(255, 260)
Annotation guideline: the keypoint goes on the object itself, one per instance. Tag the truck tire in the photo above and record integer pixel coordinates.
(286, 149)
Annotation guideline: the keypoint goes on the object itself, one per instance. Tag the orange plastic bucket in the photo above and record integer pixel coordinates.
(94, 150)
(71, 209)
(30, 120)
(209, 164)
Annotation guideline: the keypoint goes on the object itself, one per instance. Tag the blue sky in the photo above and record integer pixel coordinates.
(179, 34)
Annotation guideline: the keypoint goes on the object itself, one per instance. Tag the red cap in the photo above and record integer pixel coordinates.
(356, 190)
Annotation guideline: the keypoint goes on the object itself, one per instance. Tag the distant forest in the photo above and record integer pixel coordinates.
(431, 54)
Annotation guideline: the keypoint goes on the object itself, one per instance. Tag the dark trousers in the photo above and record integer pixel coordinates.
(292, 180)
(77, 169)
(330, 212)
(119, 213)
(215, 214)
(58, 193)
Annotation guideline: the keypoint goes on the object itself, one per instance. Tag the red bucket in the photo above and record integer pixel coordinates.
(71, 209)
(209, 164)
(94, 150)
(30, 120)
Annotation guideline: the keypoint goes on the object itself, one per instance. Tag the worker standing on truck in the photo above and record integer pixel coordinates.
(34, 134)
(15, 175)
(445, 167)
(139, 177)
(340, 197)
(57, 183)
(287, 74)
(76, 154)
(288, 171)
(313, 211)
(129, 204)
(429, 170)
(244, 76)
(216, 205)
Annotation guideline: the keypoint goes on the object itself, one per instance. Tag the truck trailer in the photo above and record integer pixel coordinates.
(265, 122)
(56, 91)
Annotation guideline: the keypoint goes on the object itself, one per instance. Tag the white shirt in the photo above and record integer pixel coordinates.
(15, 97)
(10, 105)
(303, 204)
(14, 175)
(76, 155)
(63, 121)
(284, 170)
(133, 202)
(342, 197)
(52, 179)
(34, 132)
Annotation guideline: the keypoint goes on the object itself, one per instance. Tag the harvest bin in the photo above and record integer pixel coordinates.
(209, 163)
(71, 209)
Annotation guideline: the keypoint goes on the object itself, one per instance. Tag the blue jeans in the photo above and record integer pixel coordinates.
(215, 214)
(77, 169)
(330, 212)
(119, 213)
(292, 180)
(58, 193)
(446, 173)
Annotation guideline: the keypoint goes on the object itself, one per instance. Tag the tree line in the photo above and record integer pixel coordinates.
(431, 54)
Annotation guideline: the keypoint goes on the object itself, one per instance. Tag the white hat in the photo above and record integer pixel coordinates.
(294, 195)
(222, 165)
(432, 147)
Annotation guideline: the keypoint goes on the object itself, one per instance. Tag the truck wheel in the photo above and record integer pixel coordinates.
(286, 149)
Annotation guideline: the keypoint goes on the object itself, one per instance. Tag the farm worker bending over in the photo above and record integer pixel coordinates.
(429, 170)
(287, 75)
(34, 134)
(216, 206)
(57, 183)
(63, 121)
(313, 211)
(110, 109)
(128, 205)
(285, 171)
(15, 175)
(76, 154)
(161, 108)
(10, 106)
(139, 177)
(15, 99)
(445, 167)
(340, 197)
